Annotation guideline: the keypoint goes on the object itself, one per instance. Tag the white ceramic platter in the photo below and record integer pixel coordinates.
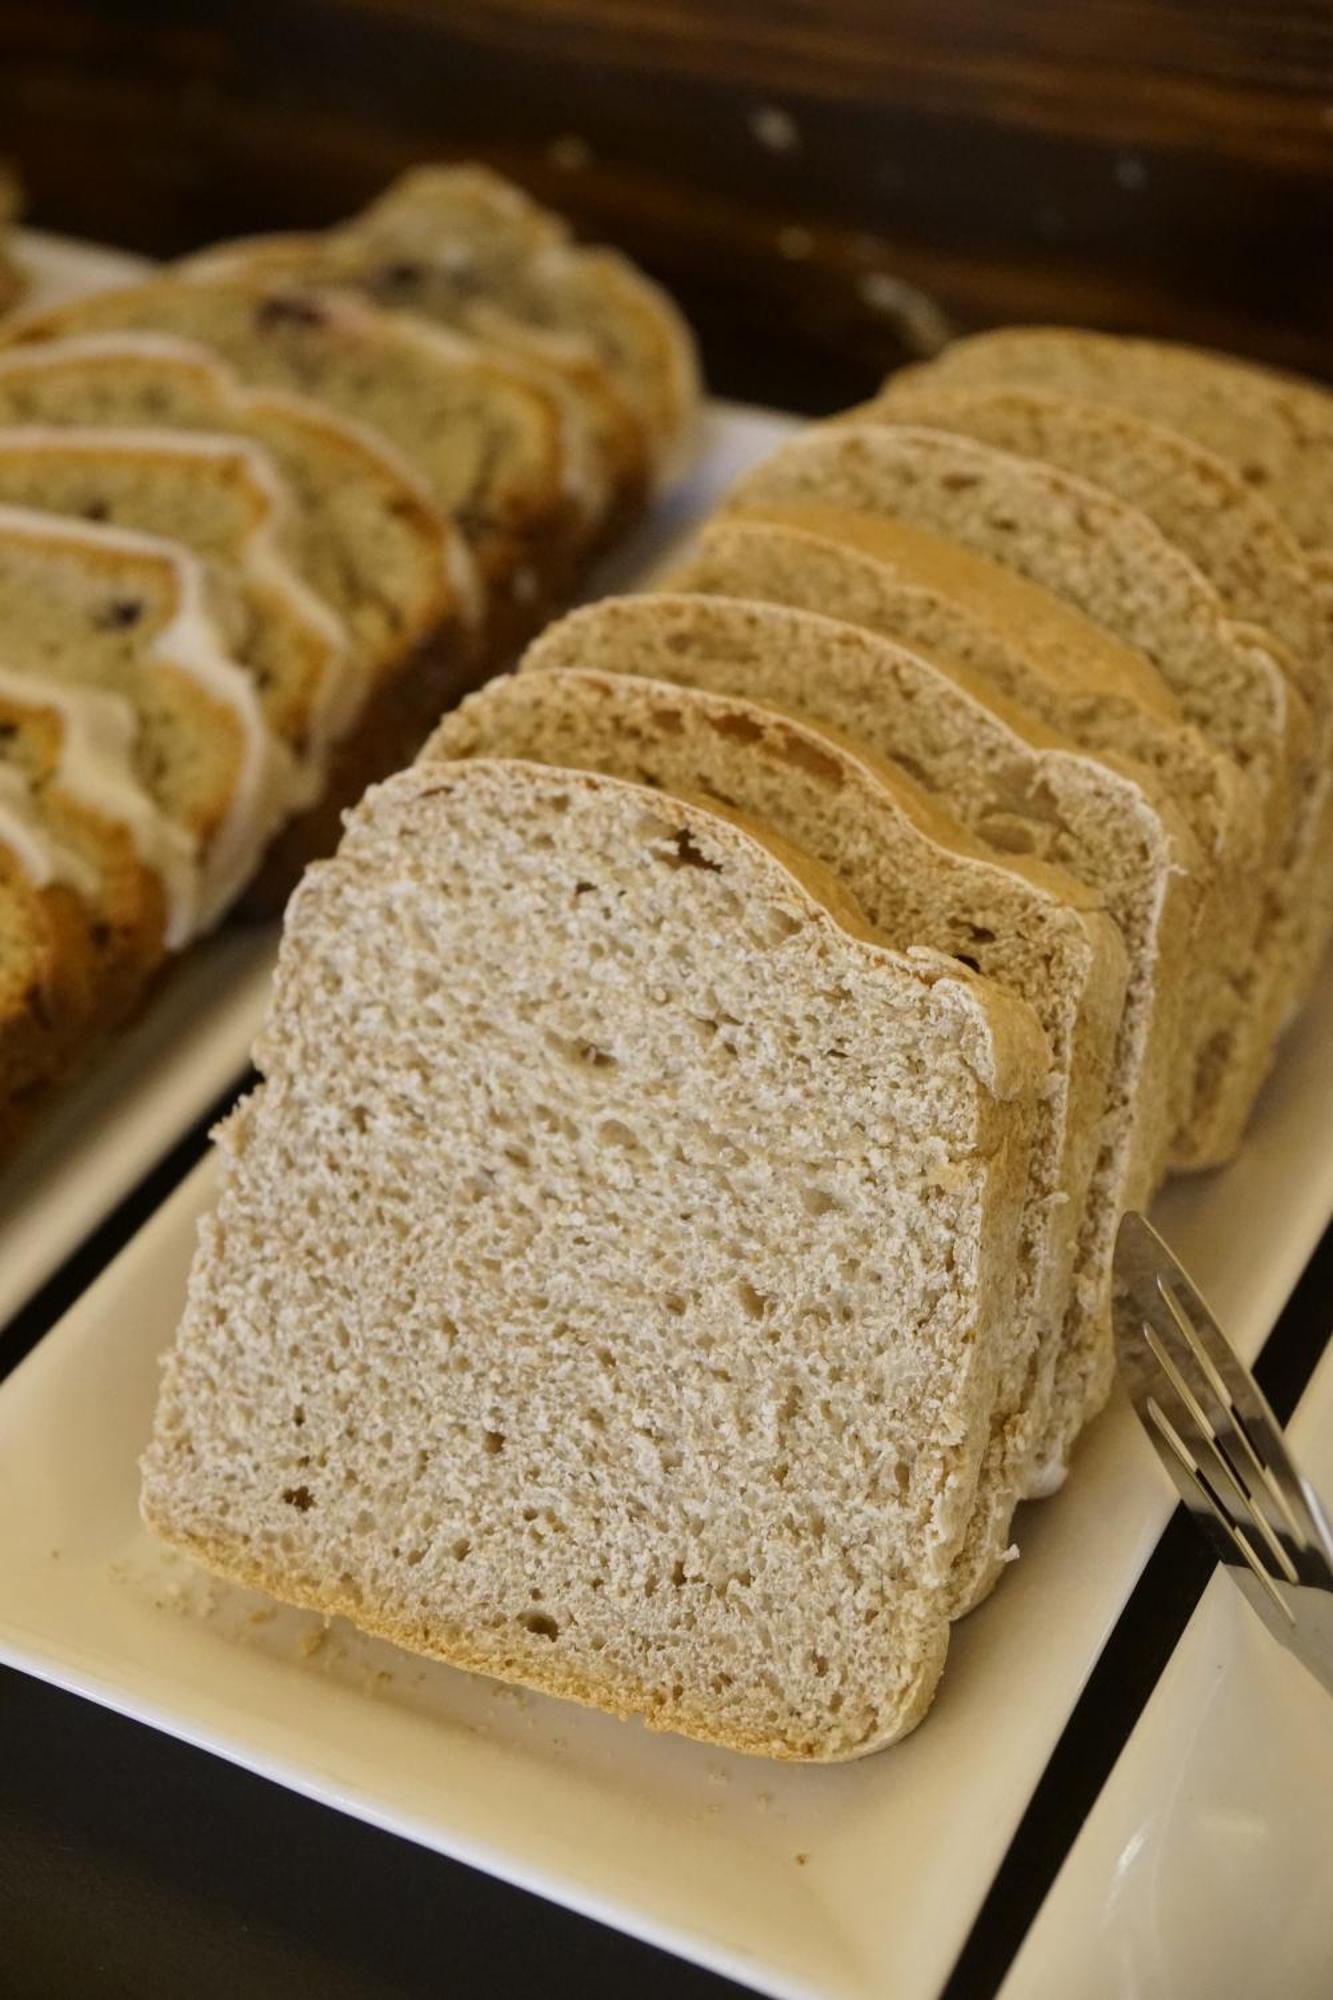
(844, 1883)
(97, 1139)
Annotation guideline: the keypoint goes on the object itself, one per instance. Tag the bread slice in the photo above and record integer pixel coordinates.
(1236, 541)
(224, 500)
(363, 533)
(493, 447)
(937, 494)
(1275, 429)
(921, 880)
(158, 729)
(1013, 784)
(621, 1317)
(951, 606)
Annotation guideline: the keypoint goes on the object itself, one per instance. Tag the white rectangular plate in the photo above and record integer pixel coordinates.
(844, 1883)
(97, 1139)
(1205, 1866)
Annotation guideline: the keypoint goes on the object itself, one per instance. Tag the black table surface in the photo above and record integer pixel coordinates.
(133, 1867)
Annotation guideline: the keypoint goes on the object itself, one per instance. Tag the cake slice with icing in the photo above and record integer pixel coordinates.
(362, 532)
(498, 451)
(117, 691)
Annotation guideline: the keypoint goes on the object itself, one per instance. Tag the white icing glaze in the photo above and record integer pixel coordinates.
(189, 643)
(263, 563)
(43, 857)
(96, 769)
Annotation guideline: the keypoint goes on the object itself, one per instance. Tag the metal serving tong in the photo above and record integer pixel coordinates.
(1223, 1447)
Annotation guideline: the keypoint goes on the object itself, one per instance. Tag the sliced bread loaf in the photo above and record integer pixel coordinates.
(941, 493)
(1016, 786)
(494, 447)
(921, 880)
(621, 1317)
(952, 606)
(1275, 429)
(1234, 538)
(158, 728)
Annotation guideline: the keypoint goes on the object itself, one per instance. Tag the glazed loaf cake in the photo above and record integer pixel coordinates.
(353, 513)
(464, 248)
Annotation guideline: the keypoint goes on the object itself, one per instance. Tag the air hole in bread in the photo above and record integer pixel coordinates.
(685, 853)
(803, 755)
(578, 1052)
(818, 1201)
(1009, 833)
(735, 728)
(779, 925)
(493, 1442)
(299, 1497)
(461, 1548)
(541, 1624)
(753, 1302)
(613, 1132)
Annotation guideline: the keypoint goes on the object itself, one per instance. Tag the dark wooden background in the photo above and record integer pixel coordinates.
(787, 166)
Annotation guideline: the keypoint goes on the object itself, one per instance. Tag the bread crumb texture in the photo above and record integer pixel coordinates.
(608, 1277)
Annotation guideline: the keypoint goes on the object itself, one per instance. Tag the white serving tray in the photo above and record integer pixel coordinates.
(1206, 1864)
(845, 1883)
(96, 1140)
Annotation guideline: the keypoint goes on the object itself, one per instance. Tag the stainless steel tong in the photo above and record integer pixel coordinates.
(1223, 1447)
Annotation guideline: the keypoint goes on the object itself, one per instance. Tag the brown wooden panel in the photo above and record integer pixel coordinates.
(1164, 165)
